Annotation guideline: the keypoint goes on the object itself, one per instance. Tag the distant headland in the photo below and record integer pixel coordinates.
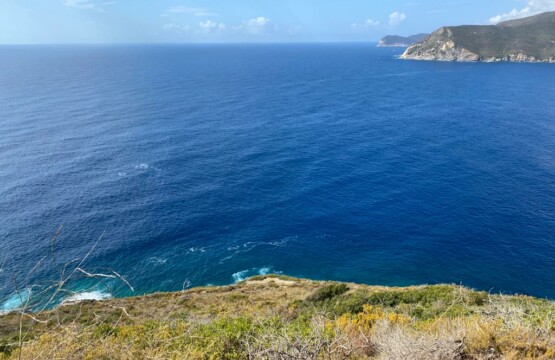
(530, 39)
(401, 41)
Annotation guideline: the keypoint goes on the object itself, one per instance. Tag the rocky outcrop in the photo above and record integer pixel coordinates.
(439, 46)
(524, 40)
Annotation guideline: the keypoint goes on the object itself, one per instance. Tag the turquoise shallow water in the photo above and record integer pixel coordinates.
(201, 165)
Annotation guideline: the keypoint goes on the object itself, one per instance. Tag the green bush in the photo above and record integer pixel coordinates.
(424, 296)
(328, 292)
(352, 303)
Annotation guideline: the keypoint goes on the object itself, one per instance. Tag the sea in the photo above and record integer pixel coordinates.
(133, 169)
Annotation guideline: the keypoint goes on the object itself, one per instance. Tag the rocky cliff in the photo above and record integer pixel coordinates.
(530, 39)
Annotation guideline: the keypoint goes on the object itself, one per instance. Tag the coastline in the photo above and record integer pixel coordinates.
(18, 301)
(201, 322)
(515, 59)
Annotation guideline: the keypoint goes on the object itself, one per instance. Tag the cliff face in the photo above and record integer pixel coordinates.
(440, 45)
(524, 40)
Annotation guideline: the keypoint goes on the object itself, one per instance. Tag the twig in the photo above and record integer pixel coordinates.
(52, 241)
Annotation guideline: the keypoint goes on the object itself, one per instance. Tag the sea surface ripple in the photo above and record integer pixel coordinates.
(203, 164)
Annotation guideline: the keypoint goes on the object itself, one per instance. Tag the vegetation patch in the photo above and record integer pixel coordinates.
(308, 320)
(328, 292)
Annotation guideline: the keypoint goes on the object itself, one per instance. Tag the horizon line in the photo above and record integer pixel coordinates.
(194, 43)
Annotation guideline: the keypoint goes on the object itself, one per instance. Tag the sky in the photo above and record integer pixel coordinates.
(199, 21)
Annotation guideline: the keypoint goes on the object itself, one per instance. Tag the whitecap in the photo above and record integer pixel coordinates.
(142, 167)
(279, 243)
(248, 246)
(225, 259)
(156, 260)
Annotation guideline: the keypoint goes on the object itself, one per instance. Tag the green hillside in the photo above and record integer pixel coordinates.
(528, 39)
(401, 41)
(276, 317)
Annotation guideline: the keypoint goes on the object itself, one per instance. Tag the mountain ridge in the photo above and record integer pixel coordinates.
(530, 39)
(401, 41)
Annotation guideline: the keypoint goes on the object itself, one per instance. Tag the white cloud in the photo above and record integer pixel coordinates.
(210, 26)
(396, 18)
(533, 7)
(175, 27)
(191, 11)
(368, 24)
(258, 25)
(255, 26)
(87, 4)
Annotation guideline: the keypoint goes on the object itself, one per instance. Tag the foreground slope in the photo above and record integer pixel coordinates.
(276, 317)
(530, 39)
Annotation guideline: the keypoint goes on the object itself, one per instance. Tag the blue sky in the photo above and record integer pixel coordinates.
(147, 21)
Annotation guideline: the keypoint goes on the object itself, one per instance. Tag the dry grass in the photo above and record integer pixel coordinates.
(284, 318)
(275, 317)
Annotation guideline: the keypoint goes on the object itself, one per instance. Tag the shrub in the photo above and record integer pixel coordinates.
(350, 303)
(423, 296)
(328, 292)
(478, 298)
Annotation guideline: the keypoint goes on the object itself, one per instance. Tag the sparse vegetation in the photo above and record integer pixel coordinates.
(274, 317)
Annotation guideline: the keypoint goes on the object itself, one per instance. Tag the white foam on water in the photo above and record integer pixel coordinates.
(248, 246)
(87, 295)
(186, 284)
(15, 301)
(245, 274)
(253, 244)
(142, 167)
(264, 271)
(156, 260)
(225, 259)
(240, 275)
(279, 243)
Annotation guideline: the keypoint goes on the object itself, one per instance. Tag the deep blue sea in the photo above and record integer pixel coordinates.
(204, 164)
